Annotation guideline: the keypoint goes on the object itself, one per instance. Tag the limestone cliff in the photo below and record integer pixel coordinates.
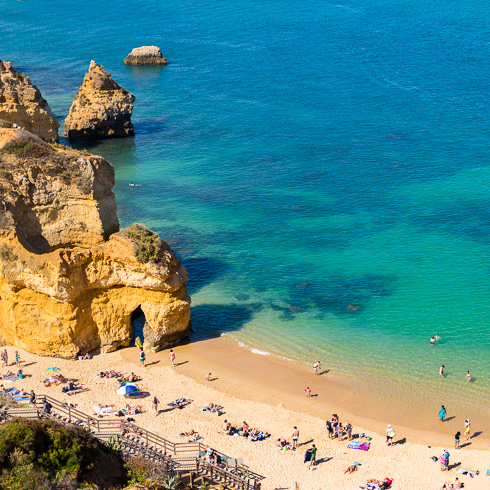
(69, 280)
(145, 55)
(22, 103)
(101, 109)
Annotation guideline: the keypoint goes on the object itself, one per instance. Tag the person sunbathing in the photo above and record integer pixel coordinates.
(133, 410)
(351, 469)
(213, 408)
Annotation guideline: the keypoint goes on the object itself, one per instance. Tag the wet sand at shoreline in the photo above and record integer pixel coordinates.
(263, 391)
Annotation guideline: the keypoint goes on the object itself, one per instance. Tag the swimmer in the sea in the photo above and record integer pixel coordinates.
(432, 340)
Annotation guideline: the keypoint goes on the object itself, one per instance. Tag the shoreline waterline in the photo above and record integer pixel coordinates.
(271, 412)
(277, 381)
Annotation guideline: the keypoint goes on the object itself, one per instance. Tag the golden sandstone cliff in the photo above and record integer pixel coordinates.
(101, 109)
(21, 103)
(69, 280)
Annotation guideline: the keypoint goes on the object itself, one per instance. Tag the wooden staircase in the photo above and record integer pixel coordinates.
(184, 459)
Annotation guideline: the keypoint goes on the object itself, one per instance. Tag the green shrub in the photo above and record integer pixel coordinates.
(148, 243)
(29, 149)
(42, 452)
(6, 254)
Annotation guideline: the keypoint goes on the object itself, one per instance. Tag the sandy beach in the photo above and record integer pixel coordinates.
(268, 393)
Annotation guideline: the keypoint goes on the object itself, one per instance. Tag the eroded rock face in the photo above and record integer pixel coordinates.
(145, 55)
(101, 109)
(71, 281)
(21, 103)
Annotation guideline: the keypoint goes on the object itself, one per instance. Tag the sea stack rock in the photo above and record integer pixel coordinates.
(145, 55)
(70, 281)
(21, 103)
(101, 109)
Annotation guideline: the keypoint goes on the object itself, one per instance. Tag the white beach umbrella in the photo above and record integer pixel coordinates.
(127, 388)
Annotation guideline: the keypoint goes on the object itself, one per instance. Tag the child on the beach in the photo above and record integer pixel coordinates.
(307, 392)
(171, 356)
(208, 377)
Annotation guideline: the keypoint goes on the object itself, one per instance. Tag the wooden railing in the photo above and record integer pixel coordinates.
(181, 457)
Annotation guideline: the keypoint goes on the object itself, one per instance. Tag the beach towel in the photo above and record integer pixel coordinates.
(205, 410)
(364, 446)
(137, 394)
(11, 379)
(354, 444)
(77, 390)
(467, 472)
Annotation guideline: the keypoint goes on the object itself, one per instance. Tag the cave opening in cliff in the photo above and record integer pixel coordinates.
(138, 321)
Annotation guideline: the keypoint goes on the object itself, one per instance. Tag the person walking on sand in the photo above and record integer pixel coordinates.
(307, 392)
(442, 413)
(457, 438)
(467, 429)
(171, 356)
(441, 371)
(468, 376)
(5, 358)
(312, 450)
(137, 343)
(316, 368)
(17, 359)
(295, 437)
(142, 357)
(208, 377)
(155, 403)
(390, 433)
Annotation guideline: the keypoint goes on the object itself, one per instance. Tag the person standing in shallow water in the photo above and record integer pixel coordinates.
(442, 413)
(316, 368)
(468, 376)
(441, 371)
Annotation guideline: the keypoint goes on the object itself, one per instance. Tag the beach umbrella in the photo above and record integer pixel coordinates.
(52, 369)
(125, 389)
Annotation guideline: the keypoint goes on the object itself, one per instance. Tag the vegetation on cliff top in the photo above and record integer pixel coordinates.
(147, 242)
(44, 455)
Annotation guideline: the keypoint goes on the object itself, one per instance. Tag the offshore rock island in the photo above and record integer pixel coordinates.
(146, 55)
(70, 281)
(101, 109)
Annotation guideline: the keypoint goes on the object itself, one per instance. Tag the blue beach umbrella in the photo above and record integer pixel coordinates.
(126, 388)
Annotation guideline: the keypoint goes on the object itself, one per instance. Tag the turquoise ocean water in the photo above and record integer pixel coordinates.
(321, 168)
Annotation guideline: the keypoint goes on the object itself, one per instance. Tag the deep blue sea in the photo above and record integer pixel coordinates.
(321, 168)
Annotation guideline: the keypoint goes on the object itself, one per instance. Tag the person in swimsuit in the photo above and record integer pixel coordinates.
(468, 376)
(295, 437)
(467, 429)
(457, 438)
(171, 356)
(155, 403)
(316, 368)
(432, 340)
(307, 392)
(442, 413)
(441, 371)
(142, 357)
